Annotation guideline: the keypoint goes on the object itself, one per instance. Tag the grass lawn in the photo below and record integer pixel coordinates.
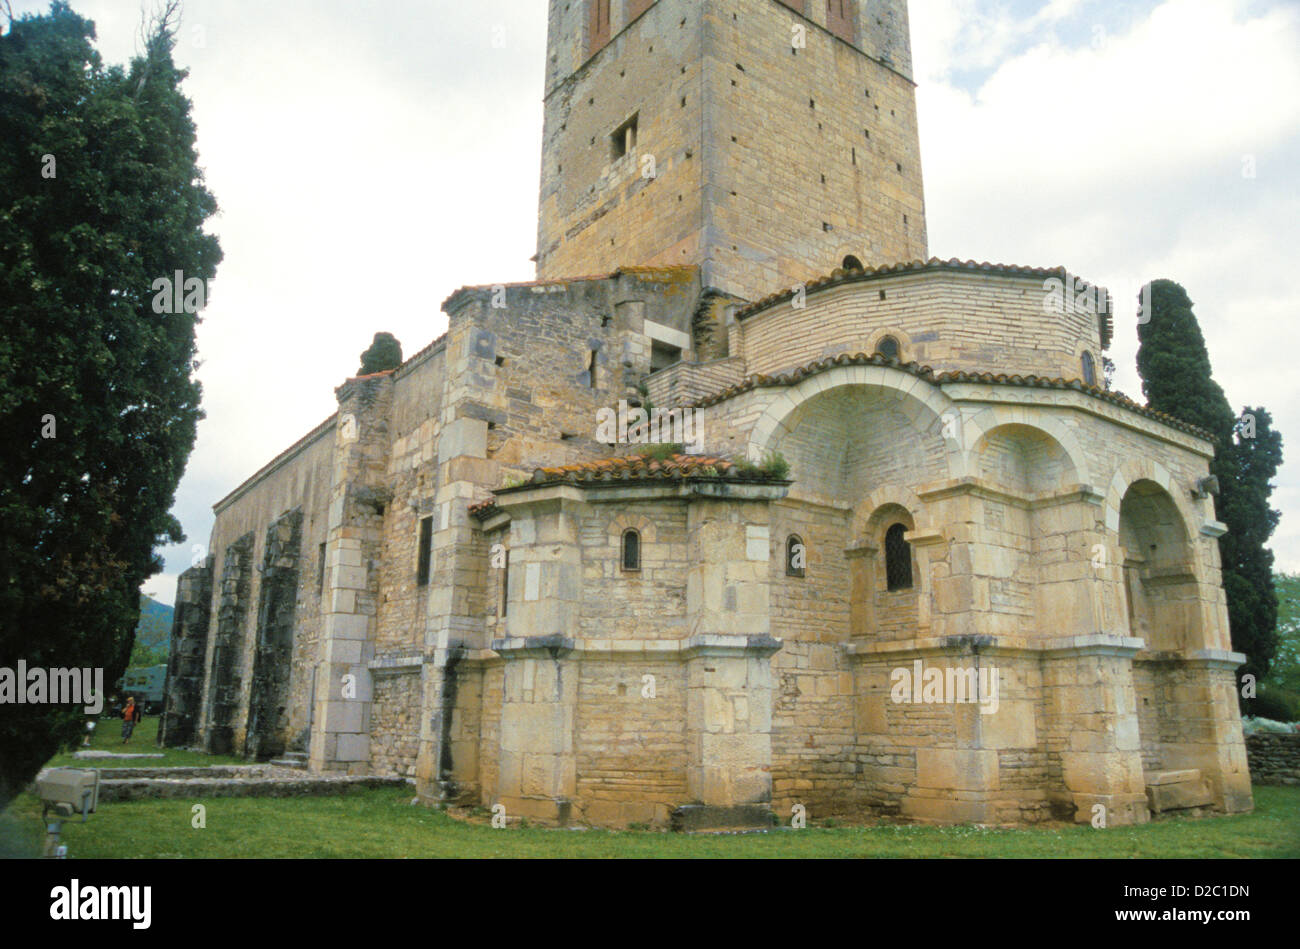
(108, 737)
(382, 823)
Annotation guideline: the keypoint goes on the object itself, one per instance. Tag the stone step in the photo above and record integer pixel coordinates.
(296, 756)
(295, 764)
(1177, 790)
(306, 786)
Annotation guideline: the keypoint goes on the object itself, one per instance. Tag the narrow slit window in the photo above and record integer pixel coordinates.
(505, 586)
(320, 571)
(425, 561)
(796, 557)
(1089, 369)
(898, 559)
(631, 550)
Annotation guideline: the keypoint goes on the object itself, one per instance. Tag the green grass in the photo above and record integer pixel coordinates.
(382, 823)
(108, 737)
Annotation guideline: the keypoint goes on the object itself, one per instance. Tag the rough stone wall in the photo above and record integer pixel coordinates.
(189, 649)
(297, 479)
(268, 734)
(1274, 759)
(394, 723)
(413, 476)
(224, 679)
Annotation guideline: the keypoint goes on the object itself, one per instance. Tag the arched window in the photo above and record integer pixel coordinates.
(796, 556)
(1089, 369)
(852, 263)
(898, 559)
(631, 550)
(888, 346)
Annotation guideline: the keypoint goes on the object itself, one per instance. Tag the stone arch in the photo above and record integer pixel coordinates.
(922, 402)
(626, 522)
(1027, 457)
(987, 421)
(1156, 549)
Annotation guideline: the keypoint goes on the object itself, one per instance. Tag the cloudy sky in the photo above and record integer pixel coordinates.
(371, 157)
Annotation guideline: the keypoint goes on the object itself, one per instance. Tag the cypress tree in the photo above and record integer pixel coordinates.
(1176, 379)
(102, 205)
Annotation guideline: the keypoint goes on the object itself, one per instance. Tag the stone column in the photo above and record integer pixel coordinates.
(538, 771)
(1204, 716)
(1093, 727)
(340, 738)
(454, 622)
(189, 647)
(729, 672)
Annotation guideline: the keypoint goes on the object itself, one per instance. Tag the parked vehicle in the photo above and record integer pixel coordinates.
(148, 685)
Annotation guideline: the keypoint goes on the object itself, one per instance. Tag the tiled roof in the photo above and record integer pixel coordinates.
(839, 276)
(639, 467)
(943, 378)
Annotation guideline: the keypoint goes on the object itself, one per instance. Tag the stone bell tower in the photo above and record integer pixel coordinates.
(763, 141)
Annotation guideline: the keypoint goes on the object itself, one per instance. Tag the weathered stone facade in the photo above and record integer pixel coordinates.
(489, 599)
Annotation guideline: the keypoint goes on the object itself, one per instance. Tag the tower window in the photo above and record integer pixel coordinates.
(425, 554)
(1089, 369)
(631, 550)
(591, 370)
(796, 557)
(597, 25)
(623, 140)
(888, 346)
(898, 559)
(840, 19)
(320, 571)
(851, 263)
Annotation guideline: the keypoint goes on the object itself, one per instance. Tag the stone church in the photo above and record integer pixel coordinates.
(910, 557)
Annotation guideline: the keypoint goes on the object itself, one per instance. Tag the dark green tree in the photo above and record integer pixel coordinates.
(1253, 458)
(384, 353)
(102, 212)
(1176, 379)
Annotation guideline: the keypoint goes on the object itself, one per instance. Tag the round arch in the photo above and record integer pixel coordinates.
(921, 401)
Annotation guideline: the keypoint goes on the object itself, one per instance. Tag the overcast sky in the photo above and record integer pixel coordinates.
(371, 157)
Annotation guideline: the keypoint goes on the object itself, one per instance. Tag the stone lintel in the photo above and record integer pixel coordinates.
(604, 492)
(982, 488)
(1214, 529)
(1007, 646)
(720, 645)
(554, 646)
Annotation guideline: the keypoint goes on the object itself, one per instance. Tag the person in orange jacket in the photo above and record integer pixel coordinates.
(130, 715)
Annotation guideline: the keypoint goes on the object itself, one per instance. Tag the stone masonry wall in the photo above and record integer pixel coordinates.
(1274, 759)
(394, 723)
(947, 320)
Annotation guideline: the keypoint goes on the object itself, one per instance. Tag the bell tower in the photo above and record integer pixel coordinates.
(765, 141)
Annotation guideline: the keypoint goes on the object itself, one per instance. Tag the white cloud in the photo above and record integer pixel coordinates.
(1124, 162)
